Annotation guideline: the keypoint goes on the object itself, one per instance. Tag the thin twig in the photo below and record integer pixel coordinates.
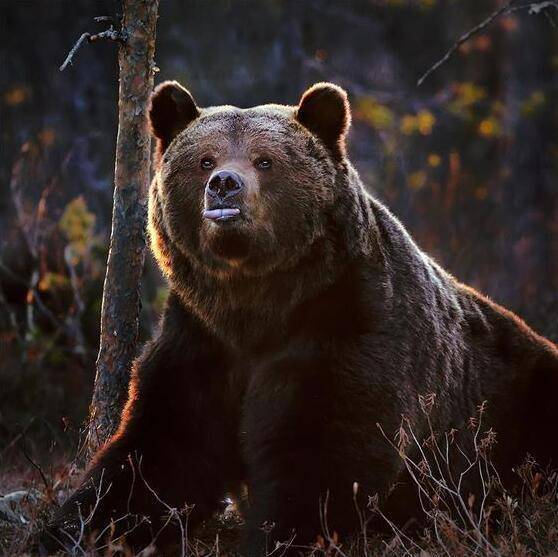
(103, 19)
(534, 8)
(84, 37)
(108, 35)
(34, 464)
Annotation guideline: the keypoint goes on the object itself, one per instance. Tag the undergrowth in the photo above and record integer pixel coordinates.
(496, 521)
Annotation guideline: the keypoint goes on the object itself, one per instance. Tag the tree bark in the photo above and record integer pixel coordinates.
(121, 292)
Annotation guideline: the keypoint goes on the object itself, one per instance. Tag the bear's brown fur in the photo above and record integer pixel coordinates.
(293, 328)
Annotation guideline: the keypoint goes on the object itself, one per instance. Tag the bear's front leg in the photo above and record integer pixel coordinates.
(175, 446)
(297, 450)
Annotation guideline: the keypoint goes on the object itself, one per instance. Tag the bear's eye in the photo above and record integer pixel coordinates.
(207, 163)
(263, 164)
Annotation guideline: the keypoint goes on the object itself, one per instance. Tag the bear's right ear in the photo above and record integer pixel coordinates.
(172, 109)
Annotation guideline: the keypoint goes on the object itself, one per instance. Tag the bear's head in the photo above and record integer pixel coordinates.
(245, 191)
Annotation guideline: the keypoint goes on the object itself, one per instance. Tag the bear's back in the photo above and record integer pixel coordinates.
(483, 352)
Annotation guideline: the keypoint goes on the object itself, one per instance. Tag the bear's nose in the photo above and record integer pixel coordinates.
(224, 184)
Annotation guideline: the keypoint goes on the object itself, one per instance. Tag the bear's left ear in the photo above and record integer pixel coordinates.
(324, 110)
(172, 109)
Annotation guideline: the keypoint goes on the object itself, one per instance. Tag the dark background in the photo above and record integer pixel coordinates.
(468, 161)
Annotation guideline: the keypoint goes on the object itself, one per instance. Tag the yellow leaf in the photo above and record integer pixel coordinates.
(434, 160)
(489, 127)
(408, 124)
(77, 223)
(417, 180)
(533, 103)
(47, 137)
(467, 94)
(425, 122)
(481, 193)
(16, 95)
(375, 113)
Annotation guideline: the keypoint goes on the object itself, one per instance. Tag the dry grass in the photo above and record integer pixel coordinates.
(497, 522)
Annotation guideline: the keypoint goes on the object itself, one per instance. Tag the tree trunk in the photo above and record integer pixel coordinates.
(121, 293)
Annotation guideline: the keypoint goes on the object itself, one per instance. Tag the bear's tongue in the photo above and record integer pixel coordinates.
(223, 213)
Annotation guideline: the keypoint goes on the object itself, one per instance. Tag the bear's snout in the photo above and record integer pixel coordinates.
(223, 185)
(221, 195)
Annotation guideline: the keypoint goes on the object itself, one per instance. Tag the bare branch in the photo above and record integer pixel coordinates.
(79, 42)
(533, 7)
(108, 35)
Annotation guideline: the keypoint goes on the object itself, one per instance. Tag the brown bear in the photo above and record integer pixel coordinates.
(301, 314)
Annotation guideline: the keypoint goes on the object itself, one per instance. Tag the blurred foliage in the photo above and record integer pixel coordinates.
(468, 161)
(78, 224)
